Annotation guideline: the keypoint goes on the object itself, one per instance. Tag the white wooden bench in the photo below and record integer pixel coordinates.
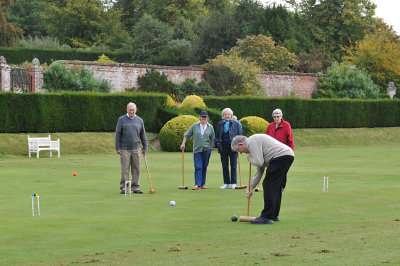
(43, 144)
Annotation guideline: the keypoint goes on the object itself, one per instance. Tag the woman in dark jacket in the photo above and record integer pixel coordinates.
(227, 129)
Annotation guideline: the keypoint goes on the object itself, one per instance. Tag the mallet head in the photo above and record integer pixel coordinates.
(183, 187)
(246, 218)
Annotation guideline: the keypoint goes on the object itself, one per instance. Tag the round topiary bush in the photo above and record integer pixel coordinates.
(193, 101)
(253, 125)
(171, 134)
(170, 102)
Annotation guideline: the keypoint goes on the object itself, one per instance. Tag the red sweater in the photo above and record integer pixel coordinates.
(283, 133)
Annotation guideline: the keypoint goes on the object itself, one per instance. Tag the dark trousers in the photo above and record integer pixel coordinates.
(226, 156)
(275, 176)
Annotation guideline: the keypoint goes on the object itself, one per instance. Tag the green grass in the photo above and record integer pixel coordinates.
(84, 219)
(103, 142)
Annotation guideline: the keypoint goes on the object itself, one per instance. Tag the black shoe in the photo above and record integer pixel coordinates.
(137, 192)
(122, 192)
(276, 219)
(262, 220)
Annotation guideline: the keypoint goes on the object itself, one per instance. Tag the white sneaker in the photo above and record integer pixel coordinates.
(233, 186)
(224, 186)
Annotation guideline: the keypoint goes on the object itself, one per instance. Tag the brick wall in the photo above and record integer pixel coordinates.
(125, 76)
(288, 84)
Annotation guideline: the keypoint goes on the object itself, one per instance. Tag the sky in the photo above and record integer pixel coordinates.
(388, 10)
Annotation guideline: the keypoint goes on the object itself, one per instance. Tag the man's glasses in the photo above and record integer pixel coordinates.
(276, 116)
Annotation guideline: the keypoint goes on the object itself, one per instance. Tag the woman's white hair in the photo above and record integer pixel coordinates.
(227, 110)
(277, 112)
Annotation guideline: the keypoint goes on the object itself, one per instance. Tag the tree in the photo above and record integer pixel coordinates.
(265, 53)
(177, 53)
(9, 33)
(170, 11)
(184, 30)
(83, 23)
(28, 16)
(233, 75)
(132, 11)
(247, 12)
(151, 37)
(345, 81)
(379, 55)
(286, 28)
(218, 5)
(218, 34)
(337, 23)
(313, 62)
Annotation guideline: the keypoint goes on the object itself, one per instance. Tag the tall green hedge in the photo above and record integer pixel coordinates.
(311, 113)
(19, 55)
(68, 112)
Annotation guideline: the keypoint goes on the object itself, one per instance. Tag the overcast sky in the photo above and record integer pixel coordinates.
(388, 10)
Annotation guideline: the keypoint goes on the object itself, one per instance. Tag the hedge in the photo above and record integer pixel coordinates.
(69, 112)
(314, 113)
(73, 111)
(19, 55)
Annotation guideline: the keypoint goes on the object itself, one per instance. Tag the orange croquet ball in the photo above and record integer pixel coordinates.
(75, 174)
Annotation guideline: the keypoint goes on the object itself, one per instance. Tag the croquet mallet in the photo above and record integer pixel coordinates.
(183, 171)
(240, 175)
(247, 218)
(152, 191)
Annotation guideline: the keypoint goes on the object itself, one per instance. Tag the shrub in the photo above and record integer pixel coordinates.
(262, 50)
(193, 101)
(170, 102)
(58, 78)
(154, 81)
(190, 87)
(42, 42)
(19, 54)
(253, 125)
(171, 134)
(344, 81)
(104, 59)
(233, 75)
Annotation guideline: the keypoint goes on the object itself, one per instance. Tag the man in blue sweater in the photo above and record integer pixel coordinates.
(130, 135)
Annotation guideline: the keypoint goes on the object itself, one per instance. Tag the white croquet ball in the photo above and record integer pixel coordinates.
(172, 203)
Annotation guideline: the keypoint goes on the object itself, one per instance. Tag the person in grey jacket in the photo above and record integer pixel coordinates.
(227, 129)
(263, 151)
(130, 135)
(203, 142)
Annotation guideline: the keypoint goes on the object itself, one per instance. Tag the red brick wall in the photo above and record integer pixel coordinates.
(125, 76)
(288, 84)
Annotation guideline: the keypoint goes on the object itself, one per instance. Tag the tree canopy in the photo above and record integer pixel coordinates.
(83, 23)
(9, 32)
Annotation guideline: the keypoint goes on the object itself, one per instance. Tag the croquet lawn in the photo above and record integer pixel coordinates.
(84, 219)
